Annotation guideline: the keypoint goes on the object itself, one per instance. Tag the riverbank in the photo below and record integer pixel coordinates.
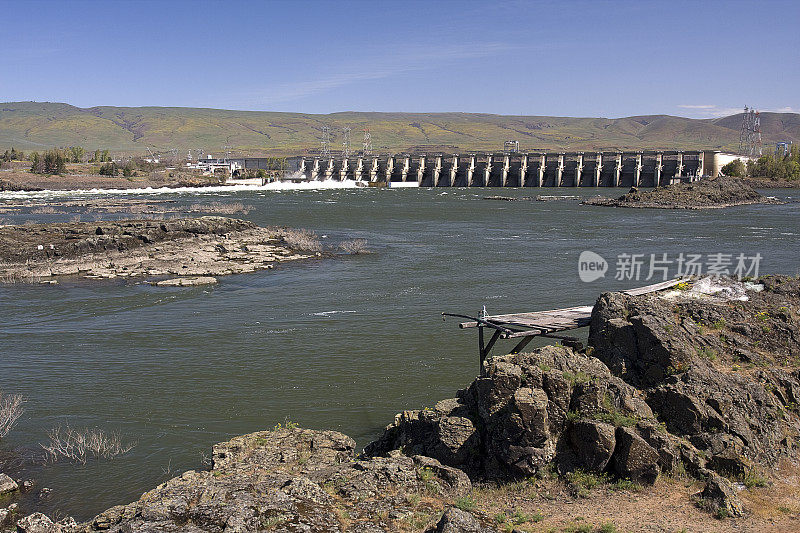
(682, 412)
(194, 249)
(714, 193)
(83, 176)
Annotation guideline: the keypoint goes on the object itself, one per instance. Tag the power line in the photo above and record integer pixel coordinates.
(326, 141)
(367, 142)
(346, 142)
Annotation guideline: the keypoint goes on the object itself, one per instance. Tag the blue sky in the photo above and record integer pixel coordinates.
(594, 58)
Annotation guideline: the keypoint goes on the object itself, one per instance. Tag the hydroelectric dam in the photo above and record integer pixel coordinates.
(534, 169)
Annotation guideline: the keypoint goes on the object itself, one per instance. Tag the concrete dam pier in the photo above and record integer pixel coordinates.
(565, 169)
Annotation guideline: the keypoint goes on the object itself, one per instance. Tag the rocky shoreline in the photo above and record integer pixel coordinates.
(682, 411)
(189, 248)
(714, 193)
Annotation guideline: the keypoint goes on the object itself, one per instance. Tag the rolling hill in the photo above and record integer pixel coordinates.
(38, 126)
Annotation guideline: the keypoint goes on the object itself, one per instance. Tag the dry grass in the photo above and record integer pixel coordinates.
(219, 208)
(301, 240)
(45, 210)
(354, 247)
(80, 445)
(10, 411)
(13, 274)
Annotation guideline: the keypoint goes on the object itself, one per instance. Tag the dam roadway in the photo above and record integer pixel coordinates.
(533, 169)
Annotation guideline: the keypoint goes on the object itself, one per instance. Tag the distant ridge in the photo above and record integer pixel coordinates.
(38, 126)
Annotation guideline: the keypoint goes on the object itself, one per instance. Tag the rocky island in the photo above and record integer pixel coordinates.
(193, 249)
(712, 193)
(682, 411)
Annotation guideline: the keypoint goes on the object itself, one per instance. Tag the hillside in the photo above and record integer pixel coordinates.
(34, 125)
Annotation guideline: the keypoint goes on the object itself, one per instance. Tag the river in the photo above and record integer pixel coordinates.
(341, 343)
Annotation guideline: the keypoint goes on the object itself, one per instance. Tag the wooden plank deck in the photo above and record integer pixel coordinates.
(542, 323)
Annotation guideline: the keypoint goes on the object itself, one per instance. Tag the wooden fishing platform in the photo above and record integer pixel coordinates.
(526, 326)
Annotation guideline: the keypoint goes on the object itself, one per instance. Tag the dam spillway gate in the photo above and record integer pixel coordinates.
(564, 169)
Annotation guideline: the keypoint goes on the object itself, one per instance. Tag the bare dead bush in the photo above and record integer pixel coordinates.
(10, 411)
(45, 210)
(354, 247)
(301, 240)
(80, 445)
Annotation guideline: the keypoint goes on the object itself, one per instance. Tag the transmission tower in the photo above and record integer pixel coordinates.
(750, 134)
(367, 142)
(326, 141)
(346, 142)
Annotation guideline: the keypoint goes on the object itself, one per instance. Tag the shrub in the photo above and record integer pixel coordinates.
(108, 169)
(10, 411)
(129, 170)
(12, 155)
(771, 166)
(753, 478)
(301, 240)
(735, 168)
(354, 247)
(79, 445)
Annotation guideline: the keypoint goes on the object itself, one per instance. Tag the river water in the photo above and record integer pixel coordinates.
(341, 343)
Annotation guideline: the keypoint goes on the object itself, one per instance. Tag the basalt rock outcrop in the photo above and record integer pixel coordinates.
(287, 479)
(704, 194)
(719, 365)
(704, 378)
(206, 246)
(528, 411)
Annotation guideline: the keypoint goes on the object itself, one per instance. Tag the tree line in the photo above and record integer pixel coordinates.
(54, 161)
(769, 166)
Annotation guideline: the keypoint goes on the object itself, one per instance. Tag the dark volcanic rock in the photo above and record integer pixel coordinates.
(634, 458)
(458, 521)
(74, 239)
(594, 443)
(721, 497)
(529, 410)
(705, 194)
(694, 359)
(287, 480)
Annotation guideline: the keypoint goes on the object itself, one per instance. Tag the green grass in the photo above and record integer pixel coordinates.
(706, 353)
(625, 484)
(753, 478)
(128, 129)
(586, 480)
(465, 503)
(577, 377)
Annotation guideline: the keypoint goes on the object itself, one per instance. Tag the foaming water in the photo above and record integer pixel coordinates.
(341, 343)
(211, 190)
